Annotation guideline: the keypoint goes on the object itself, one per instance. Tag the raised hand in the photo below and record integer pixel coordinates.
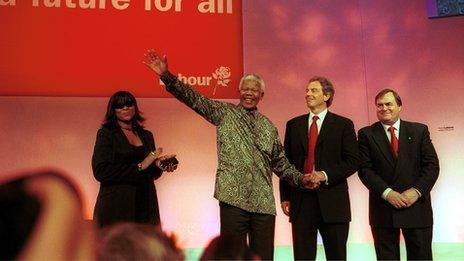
(155, 62)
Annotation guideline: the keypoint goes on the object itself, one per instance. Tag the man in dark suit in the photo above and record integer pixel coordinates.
(323, 144)
(399, 166)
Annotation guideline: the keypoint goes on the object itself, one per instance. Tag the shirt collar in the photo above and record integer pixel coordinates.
(321, 115)
(396, 125)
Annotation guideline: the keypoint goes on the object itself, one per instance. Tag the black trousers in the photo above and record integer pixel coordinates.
(305, 225)
(259, 228)
(418, 243)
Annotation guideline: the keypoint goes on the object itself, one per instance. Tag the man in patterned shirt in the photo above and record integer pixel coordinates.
(249, 152)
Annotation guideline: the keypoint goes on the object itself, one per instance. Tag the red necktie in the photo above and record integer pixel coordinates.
(394, 140)
(312, 139)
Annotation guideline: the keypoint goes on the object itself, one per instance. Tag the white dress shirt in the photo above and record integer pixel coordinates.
(319, 122)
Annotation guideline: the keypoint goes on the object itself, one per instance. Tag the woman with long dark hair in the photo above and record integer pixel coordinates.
(125, 161)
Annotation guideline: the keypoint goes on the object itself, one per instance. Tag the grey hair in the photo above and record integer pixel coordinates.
(252, 77)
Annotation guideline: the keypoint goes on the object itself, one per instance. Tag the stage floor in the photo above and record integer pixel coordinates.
(441, 251)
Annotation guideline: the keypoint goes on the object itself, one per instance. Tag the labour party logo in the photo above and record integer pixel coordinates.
(222, 76)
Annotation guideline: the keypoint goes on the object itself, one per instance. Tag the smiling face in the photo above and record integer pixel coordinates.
(388, 110)
(250, 94)
(315, 97)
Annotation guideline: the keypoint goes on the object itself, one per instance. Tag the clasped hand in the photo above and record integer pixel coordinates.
(313, 180)
(156, 158)
(169, 167)
(404, 199)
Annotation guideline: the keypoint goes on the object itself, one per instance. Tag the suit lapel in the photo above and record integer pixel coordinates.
(404, 148)
(303, 131)
(383, 144)
(327, 124)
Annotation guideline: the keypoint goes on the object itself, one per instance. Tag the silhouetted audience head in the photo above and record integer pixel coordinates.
(41, 218)
(133, 241)
(17, 218)
(228, 247)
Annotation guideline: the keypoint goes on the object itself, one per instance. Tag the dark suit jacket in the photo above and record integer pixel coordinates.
(336, 154)
(121, 183)
(416, 166)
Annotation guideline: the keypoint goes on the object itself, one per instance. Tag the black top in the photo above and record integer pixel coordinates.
(126, 194)
(141, 196)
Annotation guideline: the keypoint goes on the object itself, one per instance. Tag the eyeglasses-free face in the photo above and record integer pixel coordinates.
(388, 110)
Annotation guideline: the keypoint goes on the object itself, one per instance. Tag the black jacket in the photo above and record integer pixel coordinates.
(336, 153)
(416, 166)
(126, 194)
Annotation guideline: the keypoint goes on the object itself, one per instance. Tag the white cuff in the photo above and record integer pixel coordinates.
(326, 178)
(385, 193)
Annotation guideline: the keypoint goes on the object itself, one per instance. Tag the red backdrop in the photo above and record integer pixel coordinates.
(53, 48)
